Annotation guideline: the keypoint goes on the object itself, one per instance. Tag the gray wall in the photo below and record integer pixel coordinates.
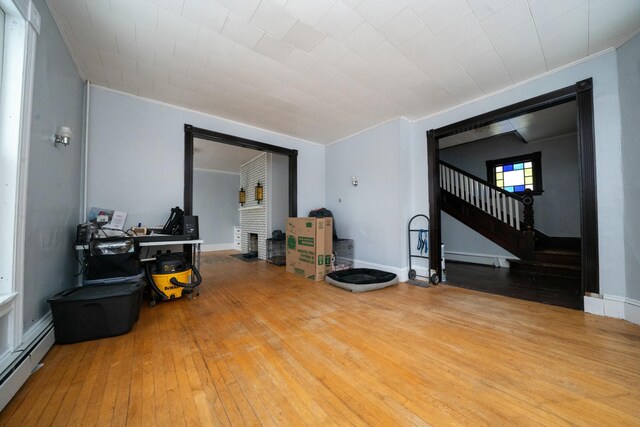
(136, 155)
(629, 74)
(215, 201)
(53, 192)
(279, 194)
(375, 212)
(557, 209)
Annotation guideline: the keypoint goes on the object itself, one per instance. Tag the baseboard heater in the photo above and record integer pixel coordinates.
(31, 353)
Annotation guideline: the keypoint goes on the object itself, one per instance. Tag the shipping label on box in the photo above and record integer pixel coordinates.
(308, 253)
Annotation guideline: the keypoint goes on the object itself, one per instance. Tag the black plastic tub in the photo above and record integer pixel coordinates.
(92, 312)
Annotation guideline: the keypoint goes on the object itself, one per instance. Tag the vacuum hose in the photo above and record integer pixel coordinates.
(191, 285)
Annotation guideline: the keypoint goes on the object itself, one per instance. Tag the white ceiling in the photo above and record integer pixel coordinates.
(220, 157)
(324, 69)
(554, 121)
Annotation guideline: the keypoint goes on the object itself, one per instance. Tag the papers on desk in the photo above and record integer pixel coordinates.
(115, 219)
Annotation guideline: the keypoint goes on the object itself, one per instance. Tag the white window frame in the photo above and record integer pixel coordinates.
(22, 25)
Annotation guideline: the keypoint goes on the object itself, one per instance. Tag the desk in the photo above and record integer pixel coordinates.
(195, 248)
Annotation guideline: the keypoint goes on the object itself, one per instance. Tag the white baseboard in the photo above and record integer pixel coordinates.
(218, 247)
(613, 306)
(484, 259)
(26, 366)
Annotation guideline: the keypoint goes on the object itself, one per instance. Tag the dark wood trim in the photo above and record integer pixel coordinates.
(191, 132)
(188, 172)
(433, 170)
(541, 102)
(589, 201)
(582, 92)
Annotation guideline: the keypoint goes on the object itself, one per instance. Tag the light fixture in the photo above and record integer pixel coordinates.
(259, 193)
(242, 196)
(63, 136)
(354, 181)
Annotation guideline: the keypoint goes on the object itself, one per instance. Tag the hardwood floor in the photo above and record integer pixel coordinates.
(264, 347)
(547, 289)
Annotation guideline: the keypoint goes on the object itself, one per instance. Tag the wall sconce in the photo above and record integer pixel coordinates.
(354, 181)
(259, 193)
(242, 196)
(63, 136)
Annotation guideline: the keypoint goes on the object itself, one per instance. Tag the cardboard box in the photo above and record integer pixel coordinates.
(309, 247)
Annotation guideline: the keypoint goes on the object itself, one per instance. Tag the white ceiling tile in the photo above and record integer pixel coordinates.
(243, 8)
(484, 62)
(403, 26)
(118, 62)
(272, 19)
(352, 3)
(222, 67)
(184, 83)
(173, 6)
(465, 30)
(485, 8)
(167, 92)
(379, 12)
(507, 18)
(140, 11)
(544, 10)
(368, 76)
(421, 6)
(217, 44)
(121, 87)
(339, 21)
(299, 60)
(351, 63)
(518, 43)
(159, 75)
(86, 51)
(444, 14)
(206, 13)
(414, 78)
(72, 9)
(133, 79)
(303, 36)
(240, 31)
(100, 71)
(329, 50)
(159, 42)
(527, 68)
(383, 55)
(108, 22)
(568, 47)
(472, 48)
(323, 73)
(191, 54)
(466, 92)
(613, 33)
(273, 48)
(177, 27)
(135, 51)
(425, 50)
(400, 67)
(201, 74)
(310, 12)
(564, 23)
(169, 63)
(363, 39)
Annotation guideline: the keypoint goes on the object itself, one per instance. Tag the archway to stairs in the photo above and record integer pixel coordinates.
(558, 267)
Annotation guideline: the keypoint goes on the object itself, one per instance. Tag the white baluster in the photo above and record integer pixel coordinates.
(504, 209)
(466, 189)
(510, 203)
(518, 216)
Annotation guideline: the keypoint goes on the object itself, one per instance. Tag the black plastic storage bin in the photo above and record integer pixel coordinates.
(91, 312)
(276, 252)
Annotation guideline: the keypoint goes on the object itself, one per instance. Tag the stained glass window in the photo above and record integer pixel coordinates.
(515, 174)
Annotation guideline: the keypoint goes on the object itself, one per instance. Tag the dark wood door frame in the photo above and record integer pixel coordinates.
(191, 132)
(582, 93)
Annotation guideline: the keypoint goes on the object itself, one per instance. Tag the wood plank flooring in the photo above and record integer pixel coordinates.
(264, 347)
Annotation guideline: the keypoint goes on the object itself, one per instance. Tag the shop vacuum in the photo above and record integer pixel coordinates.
(171, 276)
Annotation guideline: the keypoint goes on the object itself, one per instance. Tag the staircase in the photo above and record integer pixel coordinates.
(495, 214)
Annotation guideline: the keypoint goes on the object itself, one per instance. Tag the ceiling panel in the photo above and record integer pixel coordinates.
(324, 69)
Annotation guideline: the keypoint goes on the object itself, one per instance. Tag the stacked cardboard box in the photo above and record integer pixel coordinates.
(309, 247)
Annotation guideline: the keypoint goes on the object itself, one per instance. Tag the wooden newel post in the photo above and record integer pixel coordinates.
(527, 200)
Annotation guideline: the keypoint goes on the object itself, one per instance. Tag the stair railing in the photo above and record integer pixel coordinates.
(495, 201)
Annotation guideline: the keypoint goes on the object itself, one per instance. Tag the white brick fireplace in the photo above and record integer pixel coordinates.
(253, 216)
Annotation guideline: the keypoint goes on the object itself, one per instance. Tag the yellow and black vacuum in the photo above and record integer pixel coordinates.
(171, 276)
